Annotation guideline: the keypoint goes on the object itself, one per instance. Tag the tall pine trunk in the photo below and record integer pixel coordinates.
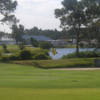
(77, 45)
(77, 40)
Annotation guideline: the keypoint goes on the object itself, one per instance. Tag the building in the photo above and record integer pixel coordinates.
(7, 41)
(63, 41)
(39, 38)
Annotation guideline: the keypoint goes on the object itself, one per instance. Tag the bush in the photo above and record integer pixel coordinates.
(87, 54)
(25, 55)
(81, 45)
(46, 52)
(41, 56)
(34, 42)
(9, 57)
(21, 46)
(4, 58)
(45, 45)
(5, 48)
(14, 57)
(71, 55)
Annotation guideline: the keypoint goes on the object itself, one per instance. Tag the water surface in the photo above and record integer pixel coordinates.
(65, 51)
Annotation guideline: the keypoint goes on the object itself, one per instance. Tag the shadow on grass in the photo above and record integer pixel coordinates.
(35, 64)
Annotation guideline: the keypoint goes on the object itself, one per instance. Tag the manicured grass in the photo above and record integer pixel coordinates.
(63, 63)
(49, 94)
(18, 82)
(15, 49)
(10, 46)
(65, 46)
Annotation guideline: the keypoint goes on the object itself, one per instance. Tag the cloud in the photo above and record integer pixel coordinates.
(39, 6)
(38, 13)
(41, 22)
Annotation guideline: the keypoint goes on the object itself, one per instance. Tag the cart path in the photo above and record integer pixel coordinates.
(76, 69)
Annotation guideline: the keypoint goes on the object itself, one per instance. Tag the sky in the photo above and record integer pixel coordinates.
(39, 13)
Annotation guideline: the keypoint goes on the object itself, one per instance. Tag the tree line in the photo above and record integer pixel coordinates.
(81, 18)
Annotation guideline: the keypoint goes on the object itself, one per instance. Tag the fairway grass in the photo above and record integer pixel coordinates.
(18, 82)
(49, 94)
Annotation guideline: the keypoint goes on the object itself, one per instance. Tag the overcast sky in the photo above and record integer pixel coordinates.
(38, 13)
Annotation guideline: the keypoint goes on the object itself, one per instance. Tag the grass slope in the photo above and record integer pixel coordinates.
(18, 82)
(65, 63)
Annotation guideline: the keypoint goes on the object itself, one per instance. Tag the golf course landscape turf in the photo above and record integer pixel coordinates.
(23, 82)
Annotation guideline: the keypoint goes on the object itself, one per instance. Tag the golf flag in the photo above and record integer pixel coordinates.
(54, 51)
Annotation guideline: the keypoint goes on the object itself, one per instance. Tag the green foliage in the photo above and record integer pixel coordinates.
(45, 45)
(73, 55)
(7, 7)
(53, 34)
(17, 32)
(5, 48)
(61, 63)
(14, 57)
(45, 52)
(11, 57)
(1, 34)
(4, 58)
(78, 13)
(25, 55)
(21, 46)
(41, 56)
(81, 45)
(87, 54)
(34, 42)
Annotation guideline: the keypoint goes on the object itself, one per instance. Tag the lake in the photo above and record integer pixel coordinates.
(65, 51)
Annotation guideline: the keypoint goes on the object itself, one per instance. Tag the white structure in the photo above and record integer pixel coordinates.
(39, 38)
(7, 41)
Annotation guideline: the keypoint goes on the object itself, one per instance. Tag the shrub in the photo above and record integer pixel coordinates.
(81, 45)
(45, 45)
(25, 55)
(9, 57)
(4, 58)
(5, 48)
(14, 57)
(40, 56)
(34, 42)
(46, 52)
(21, 46)
(82, 55)
(71, 55)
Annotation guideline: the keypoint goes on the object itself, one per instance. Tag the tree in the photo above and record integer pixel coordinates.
(92, 15)
(71, 15)
(21, 46)
(76, 14)
(33, 42)
(7, 7)
(17, 32)
(95, 32)
(45, 45)
(1, 34)
(5, 48)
